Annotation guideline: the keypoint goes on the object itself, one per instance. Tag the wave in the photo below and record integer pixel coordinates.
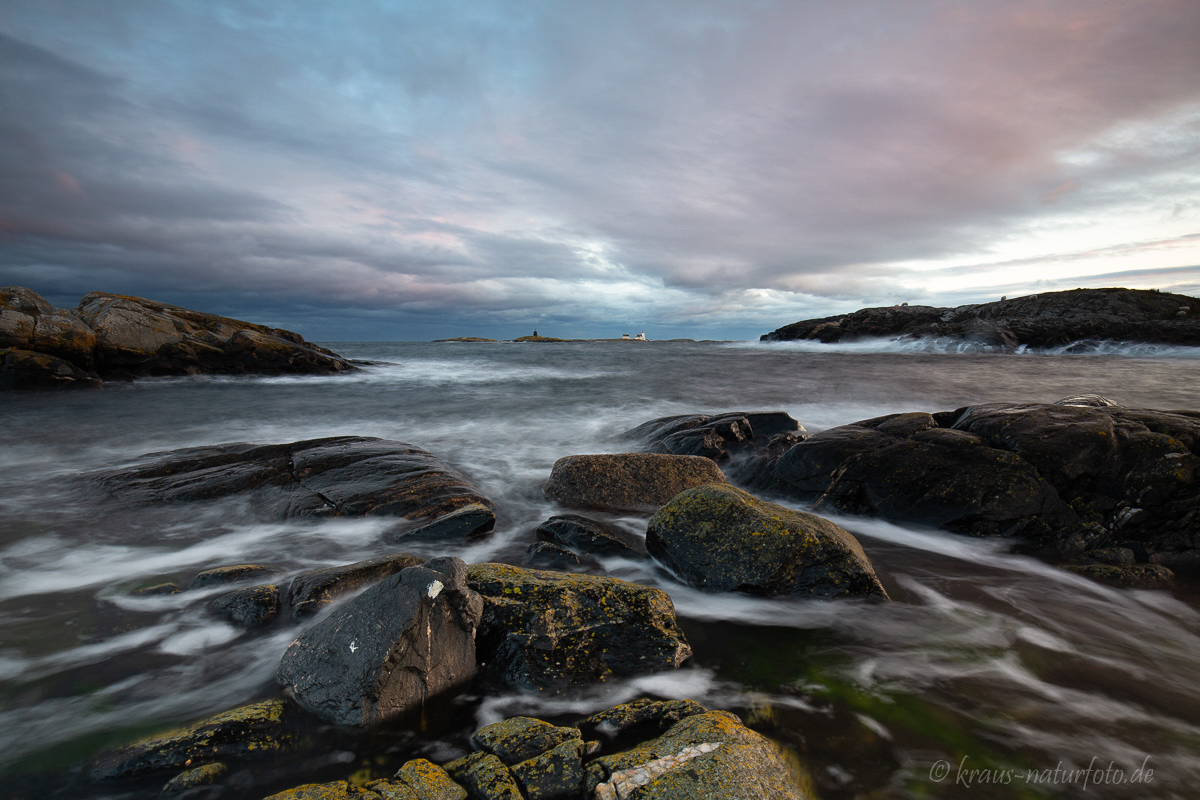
(943, 345)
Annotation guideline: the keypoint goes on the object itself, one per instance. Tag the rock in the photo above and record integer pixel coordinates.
(485, 777)
(28, 322)
(590, 536)
(156, 589)
(627, 481)
(135, 336)
(724, 539)
(247, 608)
(554, 775)
(223, 576)
(518, 739)
(645, 718)
(473, 519)
(1129, 576)
(905, 467)
(312, 590)
(204, 775)
(26, 369)
(419, 779)
(1041, 321)
(337, 790)
(547, 555)
(557, 631)
(710, 755)
(404, 640)
(345, 476)
(257, 729)
(717, 436)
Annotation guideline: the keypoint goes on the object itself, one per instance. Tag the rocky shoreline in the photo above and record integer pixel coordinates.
(111, 337)
(1078, 319)
(1106, 491)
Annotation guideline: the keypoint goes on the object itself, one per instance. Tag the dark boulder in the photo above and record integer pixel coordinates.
(405, 639)
(258, 729)
(26, 369)
(627, 481)
(548, 555)
(469, 521)
(556, 631)
(233, 573)
(345, 476)
(718, 436)
(721, 538)
(247, 608)
(590, 536)
(1084, 317)
(710, 755)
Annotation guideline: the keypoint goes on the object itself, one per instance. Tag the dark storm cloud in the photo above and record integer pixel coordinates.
(422, 163)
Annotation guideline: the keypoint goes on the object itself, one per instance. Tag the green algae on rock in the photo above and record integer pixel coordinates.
(722, 538)
(555, 631)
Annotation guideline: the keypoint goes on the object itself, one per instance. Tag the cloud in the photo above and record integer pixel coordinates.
(514, 161)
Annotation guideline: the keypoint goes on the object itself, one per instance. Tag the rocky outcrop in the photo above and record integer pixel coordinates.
(719, 436)
(721, 538)
(627, 481)
(389, 650)
(555, 631)
(1053, 319)
(111, 336)
(253, 730)
(1073, 478)
(347, 476)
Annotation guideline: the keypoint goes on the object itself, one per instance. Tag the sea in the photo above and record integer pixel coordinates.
(989, 674)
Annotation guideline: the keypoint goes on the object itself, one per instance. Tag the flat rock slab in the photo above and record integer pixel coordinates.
(721, 538)
(556, 631)
(345, 476)
(387, 651)
(627, 481)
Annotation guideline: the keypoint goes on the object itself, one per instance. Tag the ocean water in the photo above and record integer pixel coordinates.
(990, 674)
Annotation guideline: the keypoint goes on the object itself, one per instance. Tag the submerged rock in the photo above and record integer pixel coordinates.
(627, 481)
(252, 730)
(590, 536)
(345, 476)
(404, 640)
(548, 555)
(557, 631)
(234, 573)
(724, 539)
(312, 590)
(248, 608)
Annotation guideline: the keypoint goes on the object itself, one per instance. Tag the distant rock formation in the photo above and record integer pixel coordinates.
(115, 337)
(1039, 321)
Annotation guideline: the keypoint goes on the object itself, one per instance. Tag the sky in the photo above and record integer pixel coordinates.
(688, 168)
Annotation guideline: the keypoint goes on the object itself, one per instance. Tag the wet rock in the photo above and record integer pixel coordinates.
(26, 369)
(157, 589)
(204, 775)
(473, 519)
(717, 436)
(905, 467)
(345, 476)
(644, 718)
(547, 555)
(485, 777)
(29, 323)
(419, 779)
(135, 336)
(223, 576)
(627, 481)
(590, 536)
(518, 739)
(247, 608)
(554, 775)
(1128, 576)
(337, 790)
(402, 641)
(710, 755)
(312, 590)
(722, 538)
(258, 729)
(1047, 320)
(556, 631)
